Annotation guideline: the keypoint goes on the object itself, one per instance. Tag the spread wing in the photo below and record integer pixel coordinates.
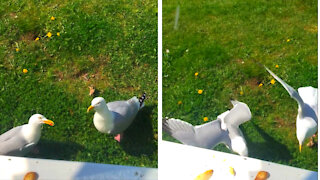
(292, 92)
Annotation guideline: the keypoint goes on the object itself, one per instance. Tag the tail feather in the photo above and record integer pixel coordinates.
(142, 99)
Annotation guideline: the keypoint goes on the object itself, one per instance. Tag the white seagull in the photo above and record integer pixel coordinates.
(115, 117)
(21, 139)
(223, 130)
(307, 119)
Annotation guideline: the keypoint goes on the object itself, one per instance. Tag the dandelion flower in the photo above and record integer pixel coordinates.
(277, 66)
(288, 40)
(196, 74)
(167, 51)
(37, 39)
(179, 102)
(49, 34)
(273, 81)
(17, 49)
(200, 91)
(58, 34)
(52, 18)
(241, 92)
(205, 119)
(25, 71)
(261, 84)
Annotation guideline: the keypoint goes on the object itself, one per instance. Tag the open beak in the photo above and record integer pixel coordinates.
(300, 147)
(90, 108)
(49, 122)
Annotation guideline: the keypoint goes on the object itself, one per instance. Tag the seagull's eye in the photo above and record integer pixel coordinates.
(39, 117)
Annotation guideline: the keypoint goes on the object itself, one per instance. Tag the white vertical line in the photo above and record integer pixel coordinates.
(159, 84)
(318, 78)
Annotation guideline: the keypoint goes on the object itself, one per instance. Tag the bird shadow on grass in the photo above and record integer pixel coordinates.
(269, 150)
(49, 149)
(139, 138)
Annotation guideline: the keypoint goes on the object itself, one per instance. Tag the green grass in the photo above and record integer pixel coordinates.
(111, 45)
(225, 41)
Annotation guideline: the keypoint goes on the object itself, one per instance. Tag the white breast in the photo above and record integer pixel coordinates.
(103, 122)
(31, 134)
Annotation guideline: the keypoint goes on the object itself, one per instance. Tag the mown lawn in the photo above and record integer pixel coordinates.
(225, 42)
(67, 46)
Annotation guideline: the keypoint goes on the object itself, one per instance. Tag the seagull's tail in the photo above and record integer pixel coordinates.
(142, 99)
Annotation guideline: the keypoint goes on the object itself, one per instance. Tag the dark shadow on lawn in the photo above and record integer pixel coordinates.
(270, 150)
(139, 139)
(56, 150)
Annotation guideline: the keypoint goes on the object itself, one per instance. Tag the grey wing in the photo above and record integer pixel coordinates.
(10, 133)
(15, 145)
(127, 109)
(210, 134)
(240, 113)
(180, 130)
(123, 112)
(293, 93)
(309, 96)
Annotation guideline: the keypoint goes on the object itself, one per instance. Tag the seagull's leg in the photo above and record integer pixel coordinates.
(315, 135)
(118, 137)
(311, 141)
(35, 150)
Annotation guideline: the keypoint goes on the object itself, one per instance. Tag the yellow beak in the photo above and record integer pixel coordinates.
(90, 108)
(300, 147)
(49, 122)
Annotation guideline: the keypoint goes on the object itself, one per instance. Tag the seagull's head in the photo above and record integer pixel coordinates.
(97, 104)
(305, 128)
(38, 119)
(301, 136)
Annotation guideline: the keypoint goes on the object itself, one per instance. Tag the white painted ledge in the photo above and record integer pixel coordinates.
(178, 161)
(15, 168)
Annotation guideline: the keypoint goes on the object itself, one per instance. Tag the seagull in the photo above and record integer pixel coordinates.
(307, 118)
(21, 139)
(115, 117)
(223, 130)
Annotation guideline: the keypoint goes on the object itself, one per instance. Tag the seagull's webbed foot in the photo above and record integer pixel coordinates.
(311, 142)
(118, 137)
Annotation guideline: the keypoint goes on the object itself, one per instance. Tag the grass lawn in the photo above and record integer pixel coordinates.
(67, 46)
(225, 41)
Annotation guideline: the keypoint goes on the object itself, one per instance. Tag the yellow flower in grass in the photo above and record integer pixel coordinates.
(273, 81)
(49, 34)
(179, 102)
(25, 71)
(17, 49)
(196, 74)
(277, 66)
(58, 34)
(52, 18)
(241, 93)
(288, 40)
(261, 84)
(205, 119)
(37, 39)
(200, 91)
